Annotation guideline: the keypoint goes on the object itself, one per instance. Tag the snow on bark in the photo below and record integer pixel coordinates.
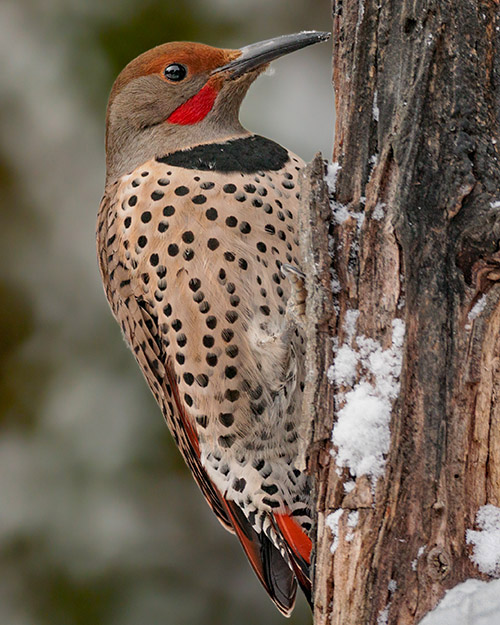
(332, 521)
(361, 434)
(473, 602)
(478, 307)
(486, 541)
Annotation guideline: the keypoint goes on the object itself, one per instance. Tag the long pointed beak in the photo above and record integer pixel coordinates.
(258, 54)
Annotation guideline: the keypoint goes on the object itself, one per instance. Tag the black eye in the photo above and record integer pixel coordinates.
(175, 72)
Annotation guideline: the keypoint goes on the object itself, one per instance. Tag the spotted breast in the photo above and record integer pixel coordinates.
(196, 227)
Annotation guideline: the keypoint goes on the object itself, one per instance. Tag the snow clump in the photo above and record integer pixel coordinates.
(361, 433)
(486, 541)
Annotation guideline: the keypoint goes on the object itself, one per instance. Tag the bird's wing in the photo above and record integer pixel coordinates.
(141, 332)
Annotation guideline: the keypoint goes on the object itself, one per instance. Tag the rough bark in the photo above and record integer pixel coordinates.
(418, 111)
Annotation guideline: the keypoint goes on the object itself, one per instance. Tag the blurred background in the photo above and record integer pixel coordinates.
(100, 522)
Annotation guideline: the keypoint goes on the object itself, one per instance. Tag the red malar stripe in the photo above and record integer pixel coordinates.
(196, 108)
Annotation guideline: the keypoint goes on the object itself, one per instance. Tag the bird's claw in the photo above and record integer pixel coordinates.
(296, 306)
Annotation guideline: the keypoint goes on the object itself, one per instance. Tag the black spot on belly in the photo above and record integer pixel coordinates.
(239, 484)
(211, 359)
(211, 322)
(271, 502)
(203, 421)
(232, 395)
(226, 441)
(270, 489)
(202, 379)
(247, 155)
(199, 199)
(226, 418)
(207, 185)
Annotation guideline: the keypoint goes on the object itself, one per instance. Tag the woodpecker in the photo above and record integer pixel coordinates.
(196, 232)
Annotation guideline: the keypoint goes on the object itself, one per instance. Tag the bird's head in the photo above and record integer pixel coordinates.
(182, 94)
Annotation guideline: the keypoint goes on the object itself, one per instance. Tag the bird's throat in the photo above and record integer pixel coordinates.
(196, 108)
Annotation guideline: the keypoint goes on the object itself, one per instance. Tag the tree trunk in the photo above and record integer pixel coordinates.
(414, 240)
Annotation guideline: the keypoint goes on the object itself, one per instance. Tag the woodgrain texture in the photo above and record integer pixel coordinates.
(417, 138)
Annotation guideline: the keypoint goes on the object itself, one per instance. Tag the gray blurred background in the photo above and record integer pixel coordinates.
(100, 523)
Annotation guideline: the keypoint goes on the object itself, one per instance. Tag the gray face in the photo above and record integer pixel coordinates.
(138, 128)
(149, 100)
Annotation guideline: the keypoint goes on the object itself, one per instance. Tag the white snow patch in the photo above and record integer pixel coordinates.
(478, 308)
(352, 522)
(373, 161)
(340, 211)
(419, 555)
(392, 586)
(343, 369)
(353, 518)
(332, 521)
(361, 433)
(351, 319)
(335, 283)
(383, 616)
(496, 203)
(375, 109)
(359, 217)
(361, 12)
(473, 602)
(349, 486)
(378, 212)
(332, 172)
(486, 541)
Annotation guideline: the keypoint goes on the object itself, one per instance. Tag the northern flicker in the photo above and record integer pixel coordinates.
(196, 229)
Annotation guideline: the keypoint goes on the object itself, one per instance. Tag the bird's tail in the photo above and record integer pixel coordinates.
(298, 547)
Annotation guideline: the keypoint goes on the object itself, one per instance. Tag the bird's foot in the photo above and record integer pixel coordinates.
(296, 306)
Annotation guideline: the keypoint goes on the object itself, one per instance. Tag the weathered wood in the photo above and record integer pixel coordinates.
(318, 405)
(418, 112)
